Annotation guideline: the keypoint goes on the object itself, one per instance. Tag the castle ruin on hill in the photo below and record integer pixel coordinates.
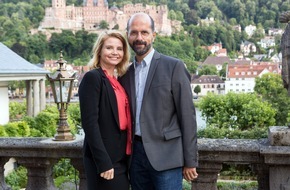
(90, 15)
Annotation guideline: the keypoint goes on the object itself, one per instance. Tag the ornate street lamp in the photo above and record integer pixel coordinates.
(61, 84)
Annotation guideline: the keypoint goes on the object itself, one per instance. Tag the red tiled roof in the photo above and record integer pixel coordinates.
(250, 71)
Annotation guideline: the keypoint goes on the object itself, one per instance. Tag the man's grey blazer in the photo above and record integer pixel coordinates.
(167, 118)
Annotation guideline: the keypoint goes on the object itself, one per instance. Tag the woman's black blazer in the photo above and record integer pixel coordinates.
(100, 121)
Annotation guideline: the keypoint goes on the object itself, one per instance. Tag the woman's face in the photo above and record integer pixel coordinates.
(112, 52)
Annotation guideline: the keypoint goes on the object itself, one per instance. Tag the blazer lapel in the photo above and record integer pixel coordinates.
(112, 96)
(132, 91)
(152, 69)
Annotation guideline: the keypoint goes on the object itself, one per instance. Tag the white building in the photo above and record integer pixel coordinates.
(15, 68)
(241, 78)
(208, 84)
(268, 41)
(250, 29)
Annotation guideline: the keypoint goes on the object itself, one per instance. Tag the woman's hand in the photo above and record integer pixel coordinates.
(108, 174)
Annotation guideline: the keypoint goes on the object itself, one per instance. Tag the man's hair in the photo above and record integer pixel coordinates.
(151, 19)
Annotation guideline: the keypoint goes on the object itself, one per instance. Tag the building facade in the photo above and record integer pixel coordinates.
(208, 84)
(241, 77)
(92, 13)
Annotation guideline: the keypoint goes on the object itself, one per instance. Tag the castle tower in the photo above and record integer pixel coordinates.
(102, 3)
(90, 3)
(58, 3)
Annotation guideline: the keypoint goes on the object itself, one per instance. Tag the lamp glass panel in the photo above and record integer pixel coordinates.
(62, 90)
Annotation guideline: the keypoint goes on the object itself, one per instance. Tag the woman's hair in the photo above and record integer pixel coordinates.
(95, 61)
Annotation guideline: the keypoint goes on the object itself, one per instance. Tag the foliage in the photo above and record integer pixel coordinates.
(17, 178)
(207, 70)
(237, 111)
(237, 172)
(63, 172)
(45, 123)
(74, 113)
(197, 89)
(237, 185)
(214, 132)
(270, 87)
(103, 25)
(17, 110)
(63, 168)
(18, 17)
(3, 132)
(17, 129)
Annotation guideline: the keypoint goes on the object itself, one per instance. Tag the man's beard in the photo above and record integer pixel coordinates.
(138, 51)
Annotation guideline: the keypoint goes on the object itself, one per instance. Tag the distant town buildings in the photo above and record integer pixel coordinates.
(250, 29)
(217, 61)
(208, 84)
(241, 77)
(267, 42)
(247, 47)
(92, 13)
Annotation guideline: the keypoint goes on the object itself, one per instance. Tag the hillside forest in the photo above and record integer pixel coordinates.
(18, 17)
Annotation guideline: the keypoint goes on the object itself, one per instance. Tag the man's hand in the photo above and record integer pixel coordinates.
(108, 174)
(189, 174)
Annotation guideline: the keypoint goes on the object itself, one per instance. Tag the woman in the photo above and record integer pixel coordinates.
(105, 115)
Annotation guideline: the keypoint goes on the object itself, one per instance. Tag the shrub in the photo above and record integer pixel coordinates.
(220, 133)
(46, 123)
(2, 131)
(17, 179)
(17, 110)
(17, 129)
(64, 172)
(11, 129)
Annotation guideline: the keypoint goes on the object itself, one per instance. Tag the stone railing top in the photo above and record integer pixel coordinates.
(40, 147)
(38, 142)
(230, 145)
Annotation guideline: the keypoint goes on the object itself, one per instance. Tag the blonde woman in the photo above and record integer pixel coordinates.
(105, 115)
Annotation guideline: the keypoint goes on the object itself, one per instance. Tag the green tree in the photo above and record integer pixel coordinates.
(197, 89)
(237, 111)
(270, 87)
(207, 70)
(103, 25)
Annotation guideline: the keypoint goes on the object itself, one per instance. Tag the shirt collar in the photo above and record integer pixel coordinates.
(147, 60)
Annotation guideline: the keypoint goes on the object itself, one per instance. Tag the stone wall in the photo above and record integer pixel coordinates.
(271, 164)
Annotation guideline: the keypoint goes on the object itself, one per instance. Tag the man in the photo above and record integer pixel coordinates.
(158, 86)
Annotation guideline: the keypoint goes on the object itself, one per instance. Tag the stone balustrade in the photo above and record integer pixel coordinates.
(271, 164)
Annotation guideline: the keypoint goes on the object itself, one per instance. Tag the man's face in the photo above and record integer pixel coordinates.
(141, 36)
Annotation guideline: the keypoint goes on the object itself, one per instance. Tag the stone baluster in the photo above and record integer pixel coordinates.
(3, 185)
(39, 172)
(207, 176)
(262, 172)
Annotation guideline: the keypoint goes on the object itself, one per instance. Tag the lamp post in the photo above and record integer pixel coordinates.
(61, 84)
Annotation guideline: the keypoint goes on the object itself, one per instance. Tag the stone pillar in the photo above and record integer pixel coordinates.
(4, 99)
(36, 106)
(276, 155)
(262, 171)
(3, 185)
(39, 173)
(78, 164)
(29, 104)
(42, 95)
(207, 176)
(279, 177)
